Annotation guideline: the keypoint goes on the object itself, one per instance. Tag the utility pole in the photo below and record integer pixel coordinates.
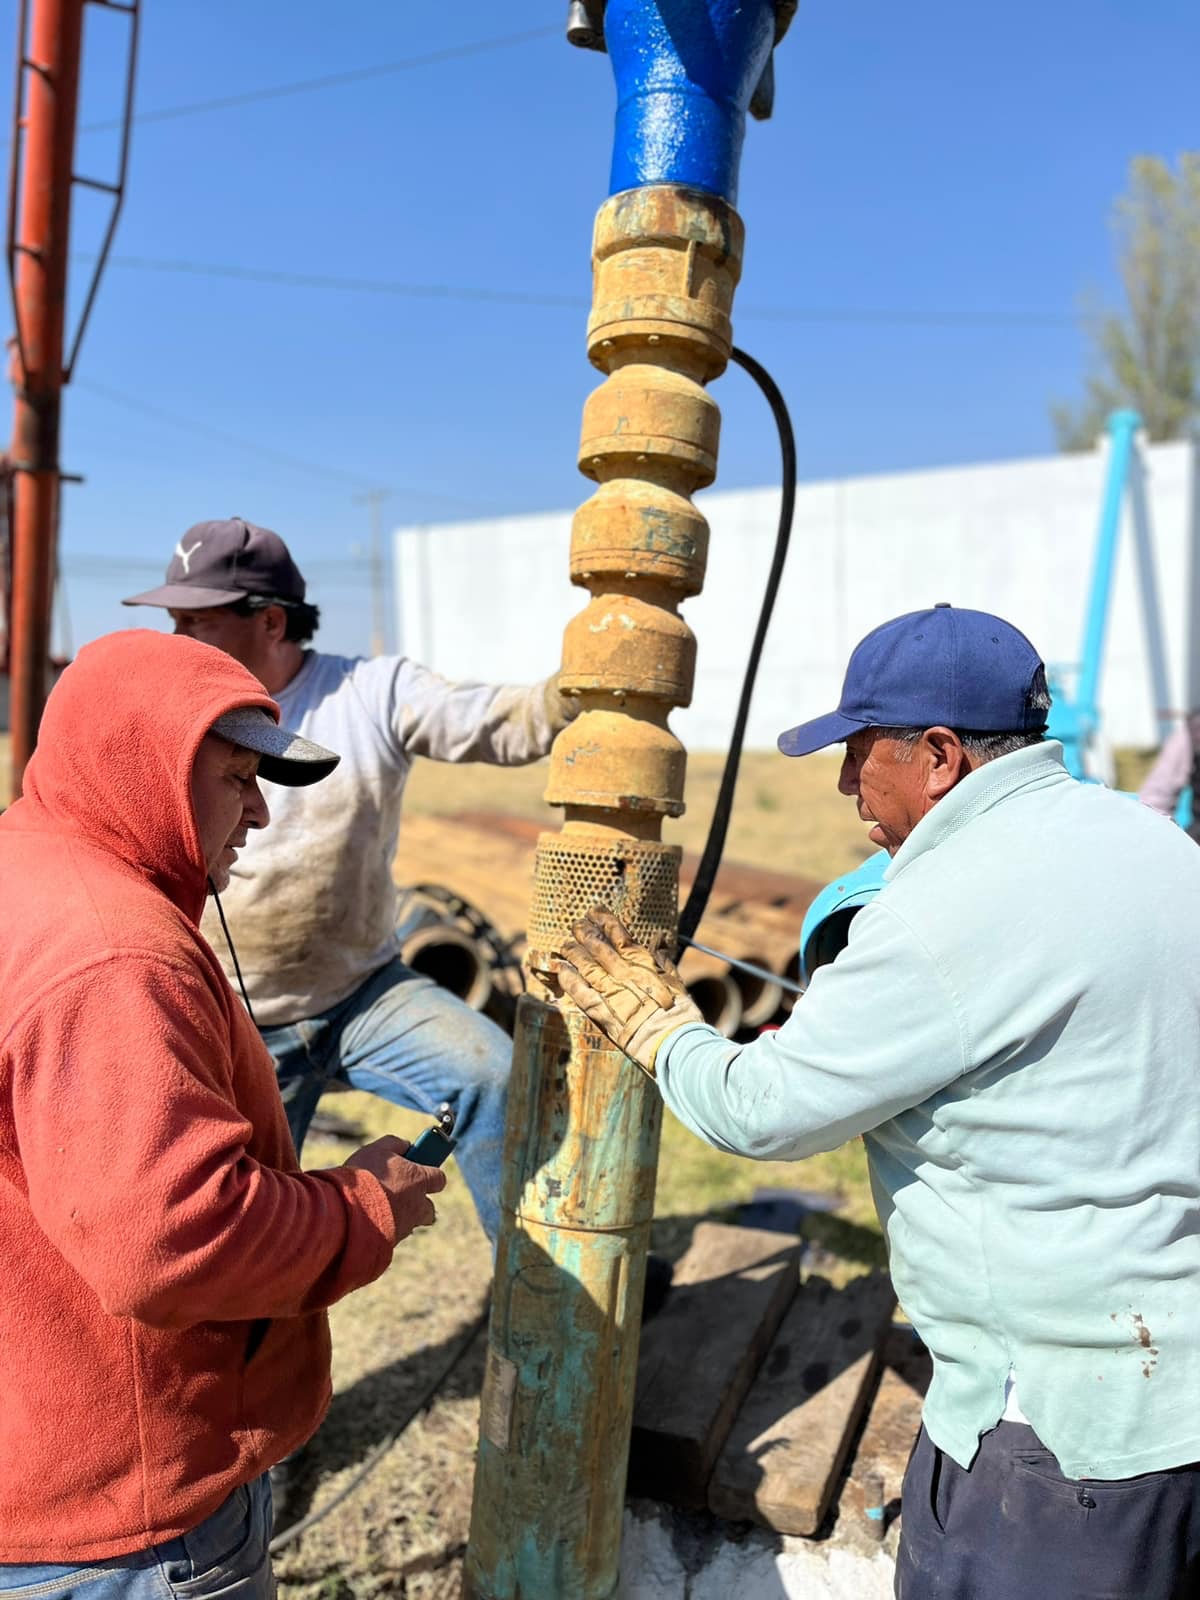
(373, 499)
(38, 240)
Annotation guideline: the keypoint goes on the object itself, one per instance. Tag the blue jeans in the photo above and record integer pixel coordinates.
(402, 1037)
(225, 1555)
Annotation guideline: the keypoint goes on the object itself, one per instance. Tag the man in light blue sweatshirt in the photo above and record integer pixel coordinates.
(1014, 1028)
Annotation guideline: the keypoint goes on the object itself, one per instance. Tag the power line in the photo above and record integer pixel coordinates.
(312, 280)
(358, 481)
(865, 315)
(902, 317)
(333, 80)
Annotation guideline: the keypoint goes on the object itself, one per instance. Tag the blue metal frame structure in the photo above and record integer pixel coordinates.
(1075, 718)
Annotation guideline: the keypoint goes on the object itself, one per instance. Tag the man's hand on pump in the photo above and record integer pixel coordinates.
(631, 993)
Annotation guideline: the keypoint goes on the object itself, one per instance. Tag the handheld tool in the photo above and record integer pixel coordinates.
(435, 1144)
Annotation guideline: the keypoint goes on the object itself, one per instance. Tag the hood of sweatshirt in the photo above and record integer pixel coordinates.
(116, 747)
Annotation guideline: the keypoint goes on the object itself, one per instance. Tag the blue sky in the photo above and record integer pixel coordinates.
(924, 213)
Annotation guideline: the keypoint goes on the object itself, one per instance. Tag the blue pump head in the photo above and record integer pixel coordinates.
(687, 72)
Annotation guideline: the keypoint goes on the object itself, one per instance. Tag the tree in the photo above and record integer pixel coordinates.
(1148, 357)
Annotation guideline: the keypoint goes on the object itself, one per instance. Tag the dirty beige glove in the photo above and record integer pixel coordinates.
(632, 994)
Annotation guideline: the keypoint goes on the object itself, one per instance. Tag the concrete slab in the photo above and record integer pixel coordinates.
(668, 1554)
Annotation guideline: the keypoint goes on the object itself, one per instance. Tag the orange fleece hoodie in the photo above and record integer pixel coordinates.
(166, 1265)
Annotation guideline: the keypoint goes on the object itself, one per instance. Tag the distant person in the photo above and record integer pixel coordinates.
(1176, 768)
(163, 1336)
(312, 905)
(1014, 1028)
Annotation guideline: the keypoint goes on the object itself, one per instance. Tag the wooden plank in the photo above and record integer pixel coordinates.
(781, 1463)
(891, 1428)
(700, 1353)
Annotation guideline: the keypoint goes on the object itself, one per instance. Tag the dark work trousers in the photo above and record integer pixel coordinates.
(1013, 1528)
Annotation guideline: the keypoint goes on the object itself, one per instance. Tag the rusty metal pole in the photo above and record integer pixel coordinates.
(41, 180)
(40, 248)
(583, 1124)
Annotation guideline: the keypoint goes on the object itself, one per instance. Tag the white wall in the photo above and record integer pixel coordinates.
(490, 599)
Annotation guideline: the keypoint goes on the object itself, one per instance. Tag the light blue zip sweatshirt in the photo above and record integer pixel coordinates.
(1014, 1026)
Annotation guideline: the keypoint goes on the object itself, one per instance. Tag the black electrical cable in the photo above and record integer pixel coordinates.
(232, 952)
(697, 900)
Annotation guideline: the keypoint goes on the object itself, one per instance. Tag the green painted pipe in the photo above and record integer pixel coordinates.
(580, 1156)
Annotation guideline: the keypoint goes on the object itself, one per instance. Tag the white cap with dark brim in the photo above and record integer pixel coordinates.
(286, 757)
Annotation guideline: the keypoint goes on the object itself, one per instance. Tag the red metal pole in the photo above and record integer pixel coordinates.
(51, 71)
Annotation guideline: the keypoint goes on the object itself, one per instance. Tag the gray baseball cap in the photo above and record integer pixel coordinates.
(220, 563)
(286, 757)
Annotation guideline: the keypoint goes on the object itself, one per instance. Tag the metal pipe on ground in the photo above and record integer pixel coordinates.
(713, 986)
(760, 999)
(742, 938)
(719, 1001)
(452, 959)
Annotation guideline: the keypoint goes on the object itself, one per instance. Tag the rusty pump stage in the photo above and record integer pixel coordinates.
(583, 1124)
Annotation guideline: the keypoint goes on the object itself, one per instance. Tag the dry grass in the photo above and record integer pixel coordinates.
(401, 1533)
(787, 815)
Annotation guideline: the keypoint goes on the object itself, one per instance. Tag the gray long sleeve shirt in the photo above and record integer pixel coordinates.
(311, 902)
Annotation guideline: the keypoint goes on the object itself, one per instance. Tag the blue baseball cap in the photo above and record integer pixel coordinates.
(944, 667)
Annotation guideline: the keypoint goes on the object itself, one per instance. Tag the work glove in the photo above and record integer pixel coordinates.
(632, 994)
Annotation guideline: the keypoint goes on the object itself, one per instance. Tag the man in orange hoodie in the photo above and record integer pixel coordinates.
(163, 1333)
